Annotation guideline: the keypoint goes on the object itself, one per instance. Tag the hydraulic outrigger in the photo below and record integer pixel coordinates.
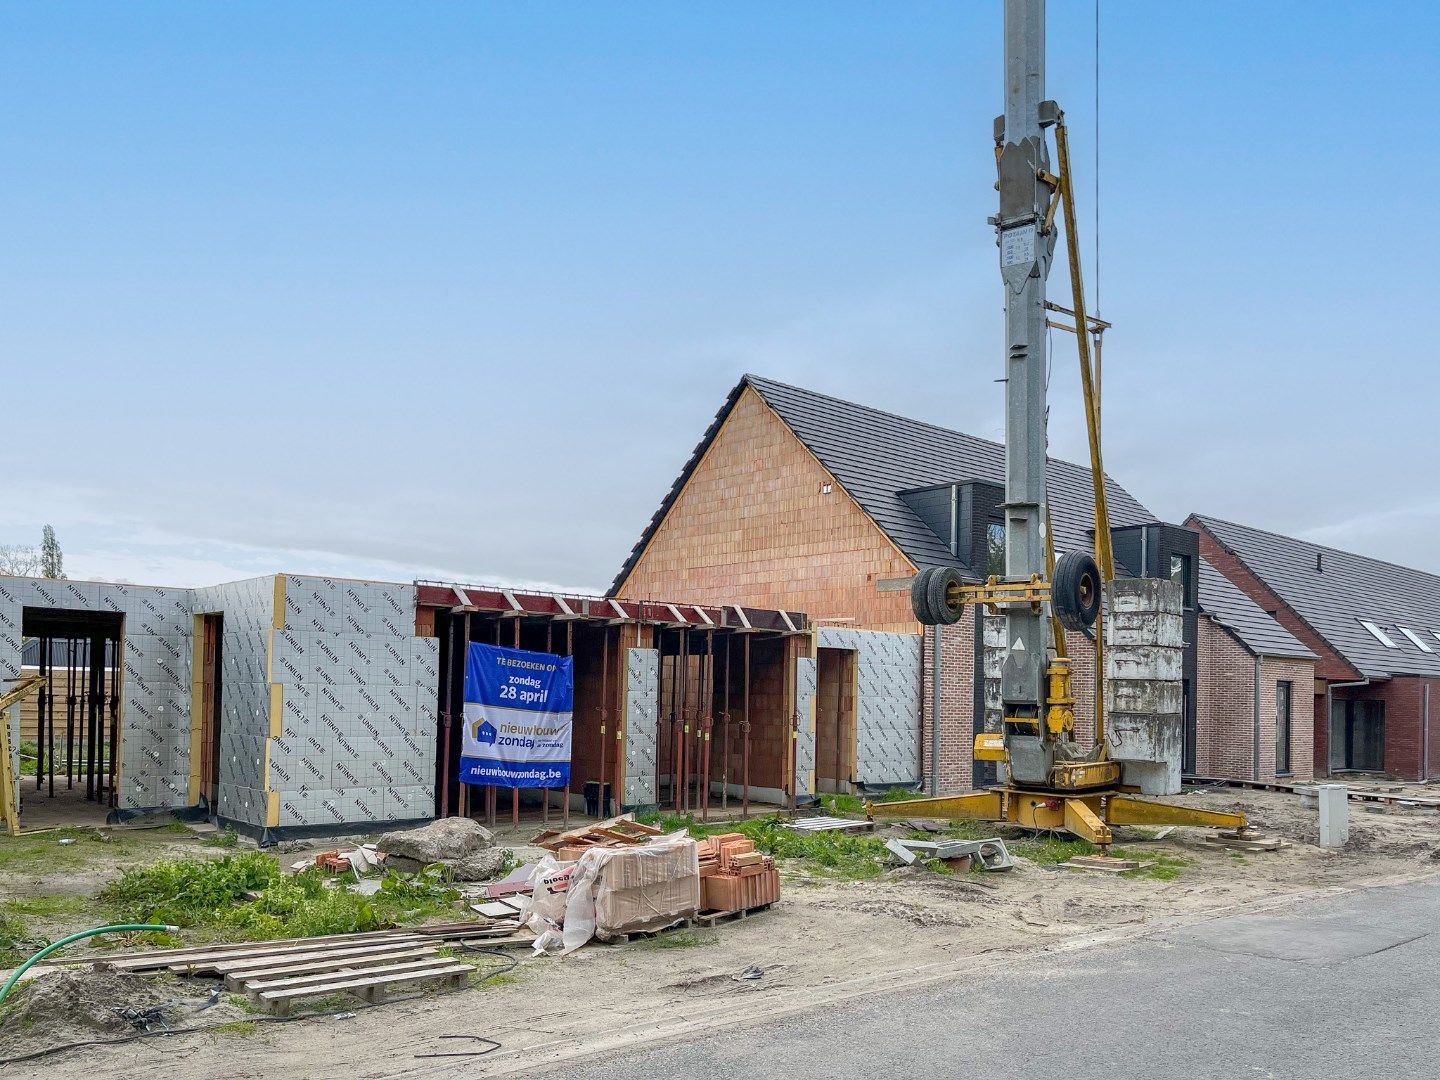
(1051, 780)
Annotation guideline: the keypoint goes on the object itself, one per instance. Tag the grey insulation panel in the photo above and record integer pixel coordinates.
(890, 689)
(805, 736)
(642, 712)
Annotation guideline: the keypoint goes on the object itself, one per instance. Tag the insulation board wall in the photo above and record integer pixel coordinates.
(805, 675)
(356, 690)
(642, 719)
(328, 699)
(154, 681)
(889, 679)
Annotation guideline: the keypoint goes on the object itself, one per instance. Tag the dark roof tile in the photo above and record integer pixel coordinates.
(1347, 588)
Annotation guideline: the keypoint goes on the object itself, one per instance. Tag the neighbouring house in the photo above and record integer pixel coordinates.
(1374, 628)
(799, 500)
(1253, 678)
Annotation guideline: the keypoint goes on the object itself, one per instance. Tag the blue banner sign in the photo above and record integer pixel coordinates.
(519, 714)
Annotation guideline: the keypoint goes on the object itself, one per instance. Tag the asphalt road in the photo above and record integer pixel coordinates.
(1344, 986)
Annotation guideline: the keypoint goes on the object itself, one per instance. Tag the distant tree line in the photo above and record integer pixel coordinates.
(28, 560)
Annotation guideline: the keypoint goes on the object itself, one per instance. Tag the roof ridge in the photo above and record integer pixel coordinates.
(752, 379)
(1313, 544)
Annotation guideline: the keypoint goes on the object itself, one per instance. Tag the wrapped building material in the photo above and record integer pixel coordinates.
(612, 892)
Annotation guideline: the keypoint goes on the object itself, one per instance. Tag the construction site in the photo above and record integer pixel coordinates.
(870, 707)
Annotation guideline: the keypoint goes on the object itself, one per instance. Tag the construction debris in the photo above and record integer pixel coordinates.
(991, 854)
(616, 832)
(464, 846)
(1105, 864)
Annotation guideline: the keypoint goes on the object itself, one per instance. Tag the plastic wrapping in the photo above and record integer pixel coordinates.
(613, 891)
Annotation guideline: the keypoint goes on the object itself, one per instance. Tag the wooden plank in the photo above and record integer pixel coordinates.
(233, 962)
(236, 976)
(168, 956)
(279, 1001)
(255, 986)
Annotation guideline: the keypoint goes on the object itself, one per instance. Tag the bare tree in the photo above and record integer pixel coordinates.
(52, 559)
(19, 560)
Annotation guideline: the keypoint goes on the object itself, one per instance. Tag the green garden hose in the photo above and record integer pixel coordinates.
(118, 928)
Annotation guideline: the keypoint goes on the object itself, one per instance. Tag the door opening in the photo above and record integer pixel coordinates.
(70, 730)
(212, 632)
(835, 720)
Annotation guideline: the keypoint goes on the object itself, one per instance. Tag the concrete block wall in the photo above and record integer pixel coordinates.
(642, 720)
(1144, 669)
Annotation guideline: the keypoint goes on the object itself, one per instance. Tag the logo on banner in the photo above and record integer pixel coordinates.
(519, 717)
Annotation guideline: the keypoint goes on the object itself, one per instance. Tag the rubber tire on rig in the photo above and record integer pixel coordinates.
(1075, 592)
(937, 589)
(920, 597)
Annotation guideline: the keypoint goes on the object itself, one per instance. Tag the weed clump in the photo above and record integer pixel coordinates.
(246, 896)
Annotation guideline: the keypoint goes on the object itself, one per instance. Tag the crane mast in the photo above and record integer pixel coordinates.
(1025, 255)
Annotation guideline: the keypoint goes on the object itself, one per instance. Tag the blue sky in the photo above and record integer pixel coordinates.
(452, 289)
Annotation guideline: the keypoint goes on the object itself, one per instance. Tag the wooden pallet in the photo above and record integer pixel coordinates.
(374, 985)
(705, 919)
(259, 970)
(831, 824)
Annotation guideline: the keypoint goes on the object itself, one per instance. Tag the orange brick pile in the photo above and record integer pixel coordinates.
(734, 876)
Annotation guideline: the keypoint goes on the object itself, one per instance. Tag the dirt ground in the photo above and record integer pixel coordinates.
(826, 940)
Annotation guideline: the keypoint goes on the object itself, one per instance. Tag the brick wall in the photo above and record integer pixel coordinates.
(1404, 698)
(1225, 708)
(957, 706)
(755, 525)
(1301, 675)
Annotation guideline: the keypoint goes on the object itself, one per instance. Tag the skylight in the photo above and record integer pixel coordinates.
(1380, 635)
(1415, 638)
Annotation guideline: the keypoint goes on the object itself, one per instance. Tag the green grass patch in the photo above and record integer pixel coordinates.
(215, 895)
(1161, 868)
(1051, 850)
(238, 1027)
(226, 838)
(973, 830)
(900, 795)
(29, 758)
(827, 854)
(842, 804)
(47, 906)
(675, 939)
(20, 851)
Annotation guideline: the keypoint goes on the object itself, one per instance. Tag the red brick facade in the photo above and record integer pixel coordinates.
(1405, 724)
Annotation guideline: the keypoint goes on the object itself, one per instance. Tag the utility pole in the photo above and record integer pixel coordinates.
(1025, 251)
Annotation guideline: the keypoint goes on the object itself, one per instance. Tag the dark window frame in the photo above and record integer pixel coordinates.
(1284, 726)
